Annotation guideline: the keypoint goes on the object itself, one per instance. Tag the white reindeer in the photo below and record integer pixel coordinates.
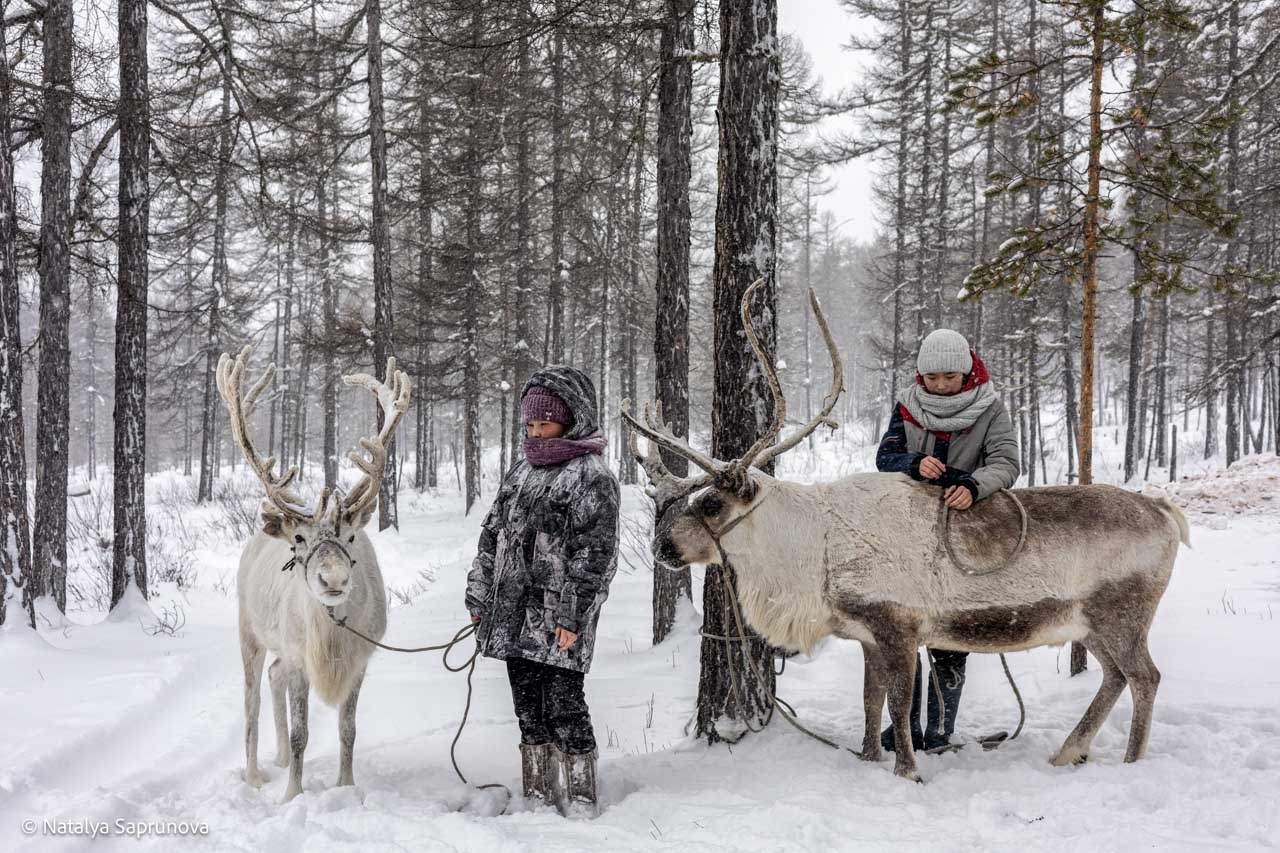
(305, 569)
(863, 558)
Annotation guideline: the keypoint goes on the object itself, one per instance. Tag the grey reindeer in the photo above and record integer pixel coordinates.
(832, 559)
(306, 568)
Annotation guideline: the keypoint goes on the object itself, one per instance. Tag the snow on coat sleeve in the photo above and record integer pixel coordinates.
(1001, 467)
(590, 548)
(893, 454)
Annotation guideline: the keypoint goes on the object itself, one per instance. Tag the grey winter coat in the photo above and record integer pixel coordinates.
(988, 449)
(548, 547)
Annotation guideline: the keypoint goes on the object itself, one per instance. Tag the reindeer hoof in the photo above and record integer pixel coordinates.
(290, 793)
(911, 775)
(870, 754)
(1069, 757)
(254, 778)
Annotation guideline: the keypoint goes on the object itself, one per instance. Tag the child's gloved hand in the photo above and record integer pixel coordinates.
(958, 497)
(927, 468)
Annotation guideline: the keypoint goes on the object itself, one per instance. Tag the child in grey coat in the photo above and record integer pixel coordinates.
(949, 429)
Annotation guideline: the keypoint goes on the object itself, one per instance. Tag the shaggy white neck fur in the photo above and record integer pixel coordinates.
(778, 555)
(278, 609)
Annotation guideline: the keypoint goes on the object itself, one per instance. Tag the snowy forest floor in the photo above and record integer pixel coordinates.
(114, 719)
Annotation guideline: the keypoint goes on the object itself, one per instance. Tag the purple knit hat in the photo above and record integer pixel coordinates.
(540, 404)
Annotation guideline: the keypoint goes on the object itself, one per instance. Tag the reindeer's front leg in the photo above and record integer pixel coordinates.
(873, 692)
(299, 692)
(278, 675)
(252, 655)
(347, 731)
(899, 668)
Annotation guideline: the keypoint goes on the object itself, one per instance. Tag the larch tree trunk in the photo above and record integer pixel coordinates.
(15, 540)
(904, 114)
(555, 344)
(388, 514)
(53, 414)
(525, 363)
(1135, 411)
(671, 322)
(90, 361)
(1234, 315)
(1162, 385)
(130, 557)
(209, 442)
(287, 371)
(424, 393)
(628, 470)
(1089, 267)
(735, 690)
(472, 294)
(328, 297)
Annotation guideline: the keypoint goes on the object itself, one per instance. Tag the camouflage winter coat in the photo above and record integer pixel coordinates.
(548, 547)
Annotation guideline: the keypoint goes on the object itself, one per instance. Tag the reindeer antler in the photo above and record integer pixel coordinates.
(393, 399)
(665, 486)
(828, 402)
(230, 377)
(770, 375)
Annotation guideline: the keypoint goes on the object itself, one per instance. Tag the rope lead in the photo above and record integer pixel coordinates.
(469, 665)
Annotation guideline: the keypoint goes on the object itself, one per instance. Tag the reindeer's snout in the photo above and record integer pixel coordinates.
(680, 540)
(330, 574)
(664, 551)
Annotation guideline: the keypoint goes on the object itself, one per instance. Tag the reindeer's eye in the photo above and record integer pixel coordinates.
(351, 538)
(711, 505)
(297, 537)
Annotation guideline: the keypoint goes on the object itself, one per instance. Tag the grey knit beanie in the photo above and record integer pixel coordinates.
(944, 351)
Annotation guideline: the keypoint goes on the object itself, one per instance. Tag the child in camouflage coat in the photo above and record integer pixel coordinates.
(548, 550)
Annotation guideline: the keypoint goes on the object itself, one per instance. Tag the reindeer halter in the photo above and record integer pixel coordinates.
(724, 531)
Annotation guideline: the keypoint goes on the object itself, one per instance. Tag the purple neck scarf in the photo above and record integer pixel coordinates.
(553, 451)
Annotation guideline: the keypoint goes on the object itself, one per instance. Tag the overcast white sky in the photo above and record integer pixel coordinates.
(824, 27)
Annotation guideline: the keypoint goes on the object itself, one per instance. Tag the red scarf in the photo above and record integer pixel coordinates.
(977, 376)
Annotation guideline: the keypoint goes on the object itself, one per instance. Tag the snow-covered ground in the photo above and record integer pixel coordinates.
(121, 721)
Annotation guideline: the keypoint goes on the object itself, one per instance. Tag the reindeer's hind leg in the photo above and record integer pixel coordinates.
(1136, 664)
(899, 669)
(299, 691)
(347, 731)
(873, 693)
(1076, 747)
(252, 655)
(278, 675)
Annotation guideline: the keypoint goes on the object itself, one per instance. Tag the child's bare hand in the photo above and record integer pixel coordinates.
(475, 617)
(565, 639)
(931, 468)
(957, 497)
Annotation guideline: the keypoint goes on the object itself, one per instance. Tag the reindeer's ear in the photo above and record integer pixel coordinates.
(275, 523)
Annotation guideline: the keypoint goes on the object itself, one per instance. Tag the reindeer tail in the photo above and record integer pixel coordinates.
(1170, 509)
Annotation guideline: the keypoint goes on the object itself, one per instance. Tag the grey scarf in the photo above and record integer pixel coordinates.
(957, 412)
